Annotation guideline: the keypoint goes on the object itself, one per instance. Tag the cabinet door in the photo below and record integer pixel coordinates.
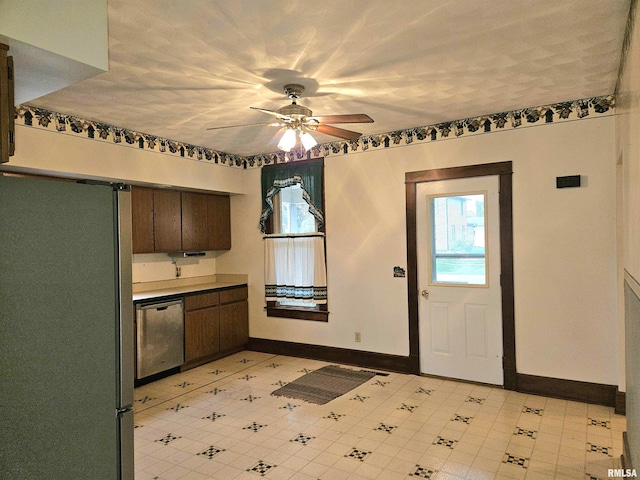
(219, 213)
(167, 226)
(7, 121)
(195, 235)
(142, 219)
(234, 325)
(201, 333)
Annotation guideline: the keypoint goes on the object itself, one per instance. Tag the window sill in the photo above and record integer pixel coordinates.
(299, 313)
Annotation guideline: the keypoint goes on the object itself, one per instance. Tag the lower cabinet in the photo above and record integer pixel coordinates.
(201, 333)
(216, 324)
(234, 328)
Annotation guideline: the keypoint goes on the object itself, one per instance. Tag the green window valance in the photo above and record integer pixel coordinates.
(307, 173)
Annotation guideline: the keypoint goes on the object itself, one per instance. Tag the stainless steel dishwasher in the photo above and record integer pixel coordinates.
(160, 337)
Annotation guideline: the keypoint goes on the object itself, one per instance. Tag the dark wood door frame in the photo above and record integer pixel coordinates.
(504, 171)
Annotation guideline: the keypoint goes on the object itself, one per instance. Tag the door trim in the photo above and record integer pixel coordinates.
(504, 171)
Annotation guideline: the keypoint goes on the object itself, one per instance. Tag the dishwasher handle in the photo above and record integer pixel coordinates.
(160, 306)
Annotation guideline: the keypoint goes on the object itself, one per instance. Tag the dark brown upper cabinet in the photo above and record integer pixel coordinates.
(195, 235)
(167, 221)
(7, 109)
(219, 216)
(142, 220)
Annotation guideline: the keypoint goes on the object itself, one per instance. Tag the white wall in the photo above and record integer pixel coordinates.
(628, 149)
(153, 267)
(628, 128)
(564, 241)
(47, 152)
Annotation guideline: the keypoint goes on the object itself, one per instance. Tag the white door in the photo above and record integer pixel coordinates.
(460, 314)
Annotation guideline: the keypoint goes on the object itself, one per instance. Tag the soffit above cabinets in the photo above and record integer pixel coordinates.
(54, 44)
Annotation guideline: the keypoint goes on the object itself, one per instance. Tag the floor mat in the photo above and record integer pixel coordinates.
(325, 384)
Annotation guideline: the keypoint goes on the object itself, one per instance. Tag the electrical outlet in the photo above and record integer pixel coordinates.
(358, 337)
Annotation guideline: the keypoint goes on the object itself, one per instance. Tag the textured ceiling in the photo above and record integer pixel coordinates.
(180, 67)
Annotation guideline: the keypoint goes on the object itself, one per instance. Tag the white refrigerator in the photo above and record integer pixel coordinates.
(66, 331)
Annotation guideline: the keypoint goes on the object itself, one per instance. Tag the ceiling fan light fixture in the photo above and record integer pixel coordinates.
(308, 142)
(298, 120)
(288, 140)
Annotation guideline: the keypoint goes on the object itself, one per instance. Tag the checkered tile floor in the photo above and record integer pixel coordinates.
(219, 421)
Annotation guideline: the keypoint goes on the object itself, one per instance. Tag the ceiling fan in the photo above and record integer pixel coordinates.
(299, 121)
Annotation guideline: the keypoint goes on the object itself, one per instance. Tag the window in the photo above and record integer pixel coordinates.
(291, 216)
(458, 259)
(291, 212)
(293, 221)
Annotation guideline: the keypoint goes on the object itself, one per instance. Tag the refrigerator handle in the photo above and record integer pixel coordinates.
(124, 280)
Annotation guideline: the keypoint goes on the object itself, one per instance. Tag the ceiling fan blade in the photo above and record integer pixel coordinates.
(353, 118)
(337, 132)
(271, 112)
(248, 125)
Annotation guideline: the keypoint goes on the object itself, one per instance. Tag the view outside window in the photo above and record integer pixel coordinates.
(458, 239)
(294, 212)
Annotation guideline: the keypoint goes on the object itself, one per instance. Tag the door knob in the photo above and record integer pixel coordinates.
(425, 293)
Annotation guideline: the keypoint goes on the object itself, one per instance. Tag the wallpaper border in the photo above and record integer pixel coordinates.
(572, 110)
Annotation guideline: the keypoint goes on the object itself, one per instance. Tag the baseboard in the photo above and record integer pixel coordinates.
(621, 403)
(550, 387)
(625, 458)
(379, 361)
(595, 393)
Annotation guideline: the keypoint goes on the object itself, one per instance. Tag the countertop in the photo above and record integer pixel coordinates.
(161, 291)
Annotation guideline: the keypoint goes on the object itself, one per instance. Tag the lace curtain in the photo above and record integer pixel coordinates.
(295, 268)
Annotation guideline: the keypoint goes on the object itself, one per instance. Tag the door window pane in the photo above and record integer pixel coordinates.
(458, 239)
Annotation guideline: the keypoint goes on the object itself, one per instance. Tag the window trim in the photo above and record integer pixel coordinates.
(319, 313)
